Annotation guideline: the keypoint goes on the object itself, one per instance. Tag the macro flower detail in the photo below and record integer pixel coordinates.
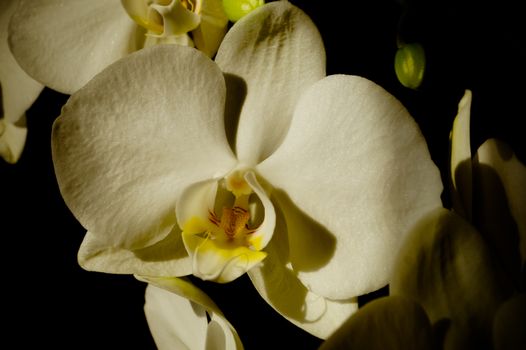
(223, 246)
(63, 44)
(17, 93)
(256, 163)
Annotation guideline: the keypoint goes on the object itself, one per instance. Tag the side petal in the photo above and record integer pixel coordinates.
(165, 258)
(356, 163)
(500, 206)
(187, 290)
(277, 284)
(460, 166)
(174, 321)
(446, 267)
(63, 44)
(123, 151)
(277, 52)
(386, 323)
(17, 90)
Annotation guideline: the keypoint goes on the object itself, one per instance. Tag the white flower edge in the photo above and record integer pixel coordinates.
(175, 310)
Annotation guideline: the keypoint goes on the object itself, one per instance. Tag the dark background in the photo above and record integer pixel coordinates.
(49, 301)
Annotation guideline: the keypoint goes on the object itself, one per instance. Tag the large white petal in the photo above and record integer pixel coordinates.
(355, 162)
(165, 258)
(277, 284)
(174, 321)
(460, 166)
(273, 54)
(18, 90)
(128, 142)
(63, 44)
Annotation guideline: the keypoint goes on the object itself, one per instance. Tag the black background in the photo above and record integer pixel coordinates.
(48, 300)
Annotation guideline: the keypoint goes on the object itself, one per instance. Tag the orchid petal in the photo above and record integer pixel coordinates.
(500, 205)
(174, 321)
(12, 140)
(277, 284)
(386, 323)
(276, 52)
(509, 324)
(17, 93)
(187, 290)
(364, 177)
(194, 205)
(446, 267)
(165, 258)
(128, 143)
(220, 335)
(262, 235)
(18, 90)
(212, 28)
(460, 167)
(63, 44)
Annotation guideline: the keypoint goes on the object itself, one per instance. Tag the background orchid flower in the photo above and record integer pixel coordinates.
(17, 93)
(176, 312)
(489, 190)
(327, 175)
(63, 44)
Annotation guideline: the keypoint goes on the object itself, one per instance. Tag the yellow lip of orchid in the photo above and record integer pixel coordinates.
(223, 247)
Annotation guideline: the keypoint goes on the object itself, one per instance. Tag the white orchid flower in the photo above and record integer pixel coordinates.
(63, 44)
(177, 311)
(17, 93)
(327, 174)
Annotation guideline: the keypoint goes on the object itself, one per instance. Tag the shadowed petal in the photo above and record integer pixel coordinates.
(356, 163)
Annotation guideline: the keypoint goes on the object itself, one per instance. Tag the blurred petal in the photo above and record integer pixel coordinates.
(123, 152)
(174, 321)
(460, 167)
(355, 162)
(446, 267)
(195, 295)
(278, 285)
(387, 323)
(63, 44)
(509, 324)
(12, 140)
(165, 258)
(212, 28)
(501, 201)
(18, 90)
(277, 52)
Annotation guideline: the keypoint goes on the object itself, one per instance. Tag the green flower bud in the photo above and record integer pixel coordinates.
(410, 64)
(236, 9)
